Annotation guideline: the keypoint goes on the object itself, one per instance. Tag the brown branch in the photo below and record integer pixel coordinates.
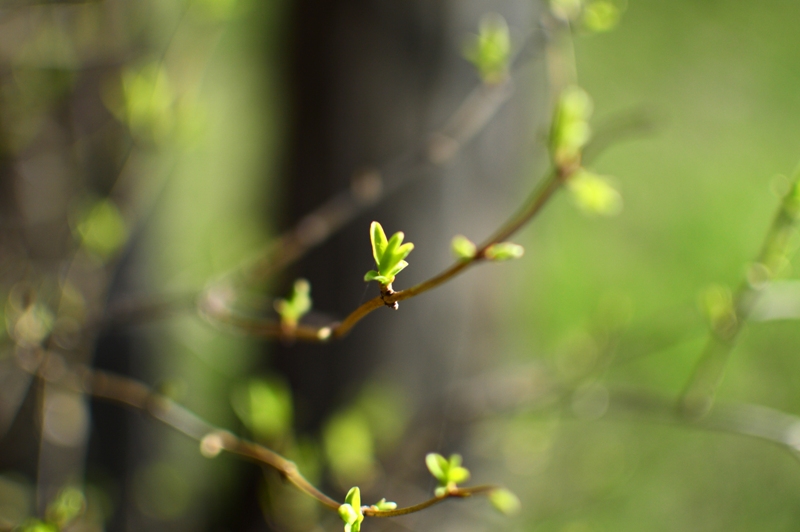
(217, 309)
(213, 440)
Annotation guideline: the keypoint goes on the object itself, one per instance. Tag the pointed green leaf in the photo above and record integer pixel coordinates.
(400, 266)
(353, 498)
(378, 238)
(438, 466)
(403, 251)
(387, 261)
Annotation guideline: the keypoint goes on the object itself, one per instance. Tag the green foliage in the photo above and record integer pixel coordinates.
(463, 248)
(296, 305)
(449, 473)
(68, 506)
(594, 194)
(504, 251)
(570, 130)
(601, 16)
(35, 525)
(102, 229)
(490, 50)
(505, 501)
(350, 511)
(388, 255)
(264, 406)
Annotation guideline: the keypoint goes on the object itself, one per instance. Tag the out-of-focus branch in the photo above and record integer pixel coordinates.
(698, 396)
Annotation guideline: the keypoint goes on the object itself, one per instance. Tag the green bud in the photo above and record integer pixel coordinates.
(463, 248)
(490, 50)
(350, 511)
(570, 131)
(505, 501)
(383, 505)
(504, 251)
(388, 255)
(449, 473)
(594, 194)
(297, 305)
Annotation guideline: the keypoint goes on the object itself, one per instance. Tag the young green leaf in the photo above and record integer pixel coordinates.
(463, 248)
(449, 473)
(504, 251)
(388, 255)
(601, 16)
(297, 305)
(383, 505)
(350, 511)
(438, 466)
(490, 50)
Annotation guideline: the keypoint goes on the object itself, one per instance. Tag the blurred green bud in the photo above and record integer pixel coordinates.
(296, 306)
(102, 229)
(383, 505)
(570, 131)
(601, 16)
(594, 194)
(350, 511)
(490, 50)
(505, 501)
(566, 10)
(463, 248)
(388, 255)
(68, 505)
(449, 473)
(504, 251)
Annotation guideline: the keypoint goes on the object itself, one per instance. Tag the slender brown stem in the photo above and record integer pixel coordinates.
(454, 493)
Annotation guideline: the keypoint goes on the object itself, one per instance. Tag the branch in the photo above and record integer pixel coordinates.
(216, 308)
(213, 440)
(698, 396)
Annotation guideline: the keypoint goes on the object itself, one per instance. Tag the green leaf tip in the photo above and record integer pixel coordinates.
(505, 501)
(389, 254)
(449, 473)
(490, 49)
(463, 248)
(504, 251)
(350, 511)
(296, 305)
